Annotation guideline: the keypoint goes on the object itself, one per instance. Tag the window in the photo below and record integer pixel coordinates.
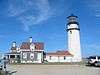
(7, 56)
(24, 55)
(35, 56)
(64, 57)
(18, 56)
(50, 58)
(12, 56)
(32, 56)
(70, 32)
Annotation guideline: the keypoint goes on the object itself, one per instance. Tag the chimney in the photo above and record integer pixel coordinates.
(14, 44)
(30, 39)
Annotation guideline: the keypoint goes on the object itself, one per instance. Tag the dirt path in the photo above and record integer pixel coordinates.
(52, 70)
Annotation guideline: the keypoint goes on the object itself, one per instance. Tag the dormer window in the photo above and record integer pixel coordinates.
(32, 46)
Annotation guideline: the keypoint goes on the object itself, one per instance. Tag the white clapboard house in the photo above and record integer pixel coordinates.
(28, 52)
(59, 56)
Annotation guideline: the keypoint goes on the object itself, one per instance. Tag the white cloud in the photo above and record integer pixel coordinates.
(94, 7)
(97, 15)
(14, 11)
(95, 46)
(29, 12)
(1, 36)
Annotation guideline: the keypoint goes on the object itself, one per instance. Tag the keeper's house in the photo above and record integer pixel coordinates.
(28, 52)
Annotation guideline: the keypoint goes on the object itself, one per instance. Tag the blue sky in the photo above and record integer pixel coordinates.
(45, 21)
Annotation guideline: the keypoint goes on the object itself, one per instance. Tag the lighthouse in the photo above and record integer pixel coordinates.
(73, 31)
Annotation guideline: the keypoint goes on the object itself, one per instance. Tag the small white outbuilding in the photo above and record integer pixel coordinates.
(59, 56)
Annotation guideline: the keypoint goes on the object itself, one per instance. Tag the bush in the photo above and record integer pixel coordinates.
(1, 73)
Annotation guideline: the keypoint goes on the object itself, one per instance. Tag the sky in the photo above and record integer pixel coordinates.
(46, 20)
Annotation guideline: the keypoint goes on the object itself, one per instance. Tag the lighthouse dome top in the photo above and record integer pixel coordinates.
(72, 19)
(72, 15)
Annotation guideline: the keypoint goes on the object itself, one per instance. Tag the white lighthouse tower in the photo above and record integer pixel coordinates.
(74, 45)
